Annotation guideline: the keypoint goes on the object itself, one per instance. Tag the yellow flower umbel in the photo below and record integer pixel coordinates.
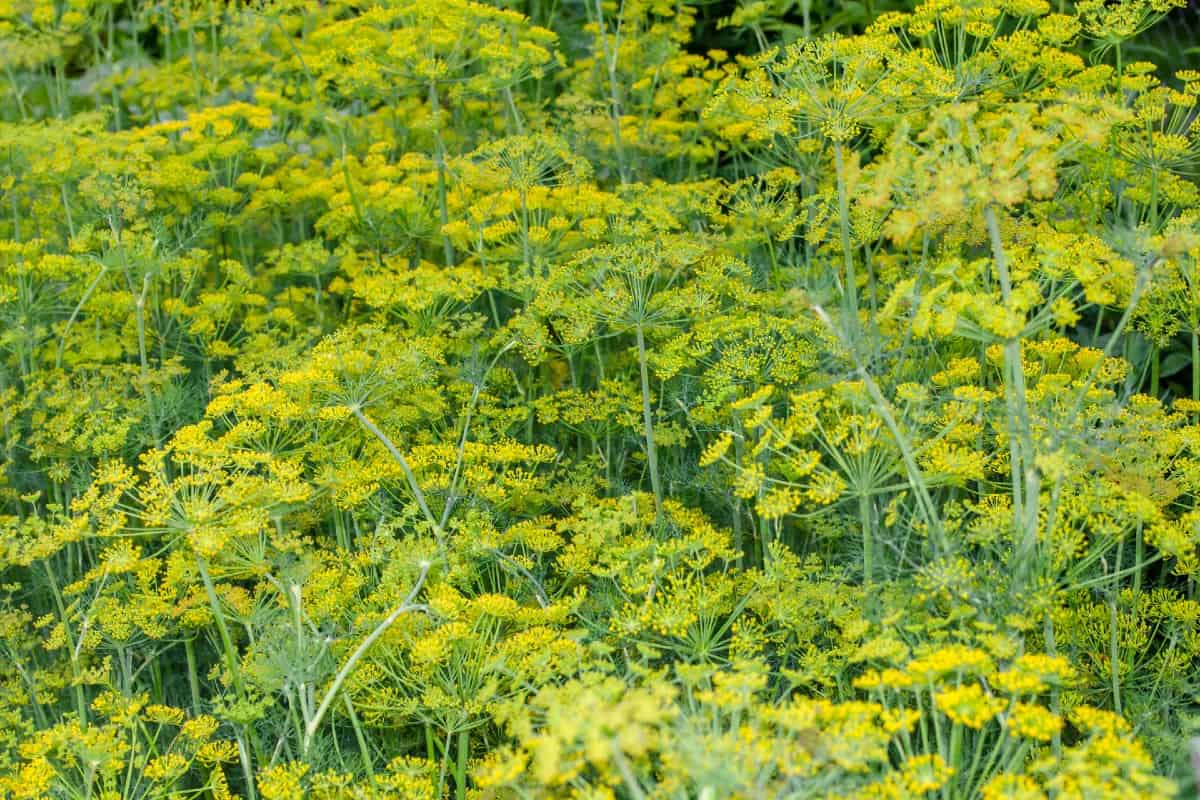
(968, 705)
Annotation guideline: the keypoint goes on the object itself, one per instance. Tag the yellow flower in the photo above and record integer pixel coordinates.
(1012, 787)
(926, 773)
(282, 782)
(716, 449)
(1033, 722)
(968, 705)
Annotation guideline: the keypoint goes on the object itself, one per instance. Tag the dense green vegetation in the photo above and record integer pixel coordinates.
(599, 399)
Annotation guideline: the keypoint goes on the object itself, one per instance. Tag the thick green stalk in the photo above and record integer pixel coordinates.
(956, 737)
(139, 299)
(512, 108)
(1139, 551)
(360, 738)
(614, 92)
(230, 652)
(231, 659)
(189, 650)
(70, 220)
(247, 766)
(1195, 363)
(1025, 479)
(648, 426)
(739, 454)
(460, 766)
(76, 674)
(864, 518)
(439, 156)
(1048, 636)
(140, 305)
(850, 292)
(1114, 651)
(1154, 371)
(526, 255)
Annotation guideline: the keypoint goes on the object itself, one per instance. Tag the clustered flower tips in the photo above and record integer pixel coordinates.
(532, 400)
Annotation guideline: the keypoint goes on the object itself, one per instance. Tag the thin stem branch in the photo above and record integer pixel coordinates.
(409, 475)
(331, 693)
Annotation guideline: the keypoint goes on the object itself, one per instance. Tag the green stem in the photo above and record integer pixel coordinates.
(916, 478)
(76, 674)
(189, 649)
(851, 279)
(610, 63)
(864, 518)
(247, 765)
(956, 737)
(1051, 641)
(62, 190)
(230, 652)
(1114, 651)
(460, 767)
(1195, 364)
(363, 749)
(439, 155)
(409, 475)
(512, 108)
(1139, 550)
(648, 425)
(525, 251)
(1154, 370)
(1025, 479)
(313, 724)
(246, 738)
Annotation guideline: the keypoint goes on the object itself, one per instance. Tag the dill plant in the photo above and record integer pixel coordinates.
(607, 399)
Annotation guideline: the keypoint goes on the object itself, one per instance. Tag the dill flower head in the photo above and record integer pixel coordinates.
(1013, 787)
(968, 705)
(1033, 722)
(926, 773)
